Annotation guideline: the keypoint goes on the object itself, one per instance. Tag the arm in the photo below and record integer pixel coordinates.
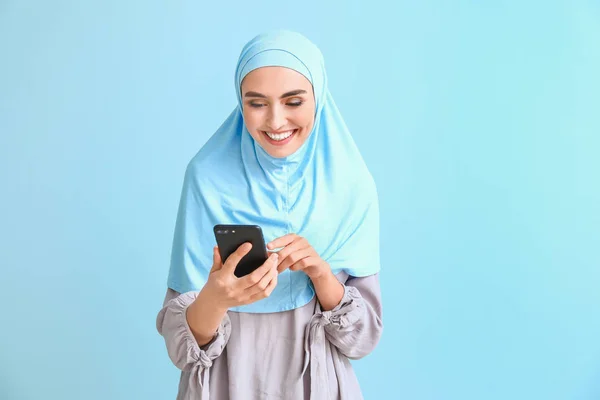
(204, 318)
(201, 314)
(182, 346)
(355, 325)
(329, 290)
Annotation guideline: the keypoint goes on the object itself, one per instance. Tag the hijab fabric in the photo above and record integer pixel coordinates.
(322, 192)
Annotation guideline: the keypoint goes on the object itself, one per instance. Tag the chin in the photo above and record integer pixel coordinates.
(279, 153)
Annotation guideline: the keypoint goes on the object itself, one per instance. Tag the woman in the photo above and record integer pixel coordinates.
(283, 160)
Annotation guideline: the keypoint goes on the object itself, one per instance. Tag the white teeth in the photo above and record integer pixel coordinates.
(280, 136)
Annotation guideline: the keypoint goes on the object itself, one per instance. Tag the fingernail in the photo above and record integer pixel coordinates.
(275, 256)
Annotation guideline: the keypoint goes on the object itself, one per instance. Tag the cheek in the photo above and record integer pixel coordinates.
(252, 120)
(306, 116)
(306, 119)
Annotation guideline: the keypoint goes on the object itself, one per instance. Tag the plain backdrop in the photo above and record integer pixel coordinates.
(479, 121)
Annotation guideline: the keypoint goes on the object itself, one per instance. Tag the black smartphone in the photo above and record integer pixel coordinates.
(230, 237)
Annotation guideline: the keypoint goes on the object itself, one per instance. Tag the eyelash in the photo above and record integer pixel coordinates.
(295, 104)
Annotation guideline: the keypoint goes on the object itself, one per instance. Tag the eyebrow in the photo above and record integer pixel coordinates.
(287, 94)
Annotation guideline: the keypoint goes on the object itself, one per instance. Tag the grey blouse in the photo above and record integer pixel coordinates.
(300, 354)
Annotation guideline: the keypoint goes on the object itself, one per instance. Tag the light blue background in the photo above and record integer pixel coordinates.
(478, 120)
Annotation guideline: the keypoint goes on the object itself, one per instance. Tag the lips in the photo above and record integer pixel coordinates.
(280, 138)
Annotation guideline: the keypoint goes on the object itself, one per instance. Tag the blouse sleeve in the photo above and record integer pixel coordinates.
(355, 325)
(182, 346)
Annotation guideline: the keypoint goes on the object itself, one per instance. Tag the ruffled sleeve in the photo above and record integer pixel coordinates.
(182, 347)
(354, 327)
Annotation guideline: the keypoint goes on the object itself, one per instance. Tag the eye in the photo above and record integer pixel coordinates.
(295, 103)
(256, 105)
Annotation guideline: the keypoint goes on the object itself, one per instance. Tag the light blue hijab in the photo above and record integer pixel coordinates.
(323, 192)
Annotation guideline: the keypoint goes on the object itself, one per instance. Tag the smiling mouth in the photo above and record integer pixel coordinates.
(280, 138)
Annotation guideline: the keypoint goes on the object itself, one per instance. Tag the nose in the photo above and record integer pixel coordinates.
(276, 118)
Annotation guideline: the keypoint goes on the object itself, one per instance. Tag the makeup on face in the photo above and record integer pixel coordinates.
(278, 107)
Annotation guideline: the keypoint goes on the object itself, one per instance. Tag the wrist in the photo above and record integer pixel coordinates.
(210, 301)
(323, 275)
(329, 290)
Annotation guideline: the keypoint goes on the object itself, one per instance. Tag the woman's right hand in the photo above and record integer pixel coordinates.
(227, 290)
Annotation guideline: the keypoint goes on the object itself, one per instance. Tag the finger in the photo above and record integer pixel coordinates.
(304, 263)
(298, 244)
(235, 257)
(282, 241)
(255, 276)
(294, 257)
(216, 260)
(262, 285)
(265, 293)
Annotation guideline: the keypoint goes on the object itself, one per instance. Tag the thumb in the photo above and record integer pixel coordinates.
(217, 264)
(234, 258)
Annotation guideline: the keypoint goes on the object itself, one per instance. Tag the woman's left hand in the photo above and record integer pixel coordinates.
(298, 255)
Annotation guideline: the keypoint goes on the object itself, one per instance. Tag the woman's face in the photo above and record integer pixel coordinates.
(279, 109)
